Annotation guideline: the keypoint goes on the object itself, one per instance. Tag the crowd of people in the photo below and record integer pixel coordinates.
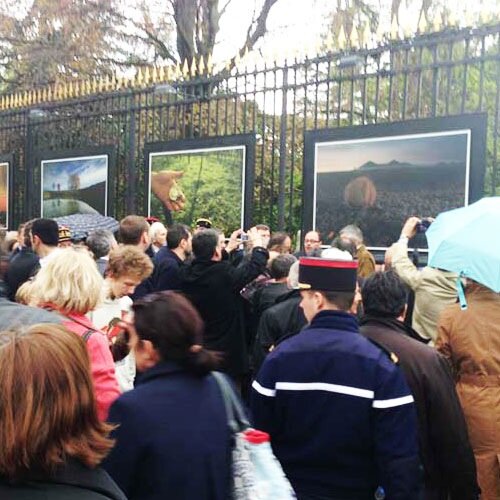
(368, 378)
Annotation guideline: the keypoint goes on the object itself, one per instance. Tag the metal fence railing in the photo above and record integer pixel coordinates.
(442, 74)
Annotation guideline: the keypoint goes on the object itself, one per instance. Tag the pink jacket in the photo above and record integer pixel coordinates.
(101, 362)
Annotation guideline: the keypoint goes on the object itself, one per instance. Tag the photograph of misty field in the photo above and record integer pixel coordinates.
(378, 183)
(4, 194)
(212, 184)
(74, 186)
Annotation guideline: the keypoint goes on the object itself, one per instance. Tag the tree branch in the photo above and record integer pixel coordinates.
(253, 35)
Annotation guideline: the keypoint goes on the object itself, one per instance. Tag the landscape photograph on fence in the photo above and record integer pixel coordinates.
(378, 182)
(4, 194)
(74, 186)
(187, 184)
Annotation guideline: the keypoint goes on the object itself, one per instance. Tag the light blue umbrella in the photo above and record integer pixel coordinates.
(467, 241)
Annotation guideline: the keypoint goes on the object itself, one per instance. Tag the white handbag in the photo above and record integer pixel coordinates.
(255, 471)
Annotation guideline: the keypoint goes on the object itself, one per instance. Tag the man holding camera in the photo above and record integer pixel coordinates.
(434, 289)
(213, 286)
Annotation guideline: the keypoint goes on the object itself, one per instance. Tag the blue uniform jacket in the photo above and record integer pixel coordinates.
(340, 415)
(172, 439)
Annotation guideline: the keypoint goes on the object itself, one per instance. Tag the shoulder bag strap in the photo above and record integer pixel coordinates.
(236, 417)
(85, 337)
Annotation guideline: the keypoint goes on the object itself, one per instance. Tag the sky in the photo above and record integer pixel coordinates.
(425, 150)
(91, 171)
(297, 25)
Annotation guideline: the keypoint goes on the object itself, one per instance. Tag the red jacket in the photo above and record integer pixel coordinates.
(101, 362)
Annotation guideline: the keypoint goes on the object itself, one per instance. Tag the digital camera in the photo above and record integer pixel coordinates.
(423, 225)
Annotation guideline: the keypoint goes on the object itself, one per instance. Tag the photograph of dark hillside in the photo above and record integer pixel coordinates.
(74, 186)
(199, 183)
(378, 183)
(4, 193)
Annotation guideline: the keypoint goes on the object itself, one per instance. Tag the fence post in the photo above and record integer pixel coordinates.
(28, 169)
(282, 165)
(131, 173)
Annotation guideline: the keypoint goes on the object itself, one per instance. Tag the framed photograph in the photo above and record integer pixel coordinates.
(6, 184)
(376, 176)
(209, 178)
(76, 182)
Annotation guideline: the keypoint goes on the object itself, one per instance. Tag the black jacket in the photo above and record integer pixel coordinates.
(267, 295)
(166, 272)
(283, 319)
(214, 289)
(73, 482)
(21, 268)
(445, 452)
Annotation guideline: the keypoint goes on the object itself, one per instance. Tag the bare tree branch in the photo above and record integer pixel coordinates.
(223, 10)
(256, 30)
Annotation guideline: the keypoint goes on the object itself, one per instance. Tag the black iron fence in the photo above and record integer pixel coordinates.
(442, 74)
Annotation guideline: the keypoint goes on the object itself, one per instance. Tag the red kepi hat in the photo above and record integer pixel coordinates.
(327, 275)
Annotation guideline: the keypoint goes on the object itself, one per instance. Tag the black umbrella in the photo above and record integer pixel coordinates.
(81, 225)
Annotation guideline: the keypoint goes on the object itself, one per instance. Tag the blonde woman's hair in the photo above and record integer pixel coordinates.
(26, 293)
(70, 282)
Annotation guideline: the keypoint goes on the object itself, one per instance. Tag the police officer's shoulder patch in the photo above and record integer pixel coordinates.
(391, 355)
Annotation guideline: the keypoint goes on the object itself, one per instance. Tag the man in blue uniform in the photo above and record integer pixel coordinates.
(340, 415)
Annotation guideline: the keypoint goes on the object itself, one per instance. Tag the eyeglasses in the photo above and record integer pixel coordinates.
(310, 241)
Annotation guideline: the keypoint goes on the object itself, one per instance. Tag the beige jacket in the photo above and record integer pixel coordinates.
(471, 341)
(434, 290)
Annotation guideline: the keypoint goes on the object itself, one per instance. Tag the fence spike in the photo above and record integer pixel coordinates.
(185, 69)
(363, 41)
(394, 28)
(380, 35)
(452, 20)
(354, 39)
(193, 69)
(154, 74)
(237, 59)
(342, 39)
(168, 74)
(210, 65)
(436, 25)
(246, 54)
(139, 77)
(202, 66)
(422, 25)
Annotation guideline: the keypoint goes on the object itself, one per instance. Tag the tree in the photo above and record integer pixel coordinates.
(57, 39)
(196, 24)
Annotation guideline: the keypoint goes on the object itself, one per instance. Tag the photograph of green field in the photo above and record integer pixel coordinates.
(199, 183)
(74, 186)
(4, 194)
